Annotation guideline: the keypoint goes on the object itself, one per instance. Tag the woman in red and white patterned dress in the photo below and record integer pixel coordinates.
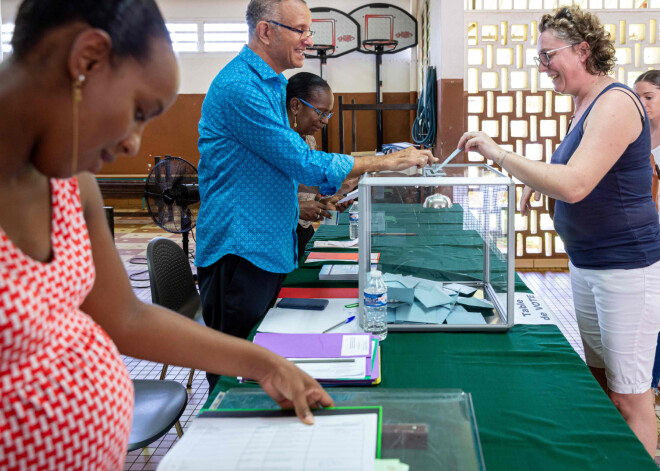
(84, 78)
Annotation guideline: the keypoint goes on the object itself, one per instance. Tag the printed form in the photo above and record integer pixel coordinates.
(338, 442)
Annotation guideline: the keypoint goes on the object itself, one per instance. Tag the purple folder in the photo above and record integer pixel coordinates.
(306, 345)
(319, 346)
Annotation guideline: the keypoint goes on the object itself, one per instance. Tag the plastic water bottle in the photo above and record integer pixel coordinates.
(353, 222)
(375, 305)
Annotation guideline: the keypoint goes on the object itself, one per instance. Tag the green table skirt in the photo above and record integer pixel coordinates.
(537, 406)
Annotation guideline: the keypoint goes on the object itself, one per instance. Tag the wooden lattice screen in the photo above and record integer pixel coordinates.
(514, 104)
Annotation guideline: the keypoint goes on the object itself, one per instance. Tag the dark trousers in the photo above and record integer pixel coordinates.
(235, 296)
(304, 236)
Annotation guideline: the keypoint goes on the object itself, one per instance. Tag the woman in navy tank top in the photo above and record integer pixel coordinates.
(600, 176)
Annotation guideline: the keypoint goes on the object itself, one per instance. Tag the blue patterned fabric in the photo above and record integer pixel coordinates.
(250, 165)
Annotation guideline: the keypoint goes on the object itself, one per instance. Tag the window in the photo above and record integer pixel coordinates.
(185, 36)
(7, 32)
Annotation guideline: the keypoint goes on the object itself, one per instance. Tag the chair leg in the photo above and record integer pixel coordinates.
(179, 430)
(190, 378)
(163, 372)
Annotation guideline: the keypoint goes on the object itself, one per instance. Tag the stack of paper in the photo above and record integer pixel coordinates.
(416, 300)
(300, 321)
(332, 359)
(346, 244)
(342, 439)
(339, 273)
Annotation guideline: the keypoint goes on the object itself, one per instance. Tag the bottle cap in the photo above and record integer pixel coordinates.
(375, 273)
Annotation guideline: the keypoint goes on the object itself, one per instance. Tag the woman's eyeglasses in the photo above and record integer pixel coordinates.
(304, 34)
(322, 114)
(544, 57)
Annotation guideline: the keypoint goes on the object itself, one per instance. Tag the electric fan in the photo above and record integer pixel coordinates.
(172, 196)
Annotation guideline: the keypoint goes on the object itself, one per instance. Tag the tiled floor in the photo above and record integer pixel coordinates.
(132, 236)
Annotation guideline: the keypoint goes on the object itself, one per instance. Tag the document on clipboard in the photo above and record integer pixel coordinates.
(341, 439)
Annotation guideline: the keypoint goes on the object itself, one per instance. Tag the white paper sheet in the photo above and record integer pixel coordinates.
(337, 442)
(333, 368)
(299, 321)
(349, 196)
(354, 345)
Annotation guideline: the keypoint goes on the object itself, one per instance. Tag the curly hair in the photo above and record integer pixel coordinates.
(571, 24)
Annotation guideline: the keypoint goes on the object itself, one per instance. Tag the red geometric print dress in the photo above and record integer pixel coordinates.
(66, 400)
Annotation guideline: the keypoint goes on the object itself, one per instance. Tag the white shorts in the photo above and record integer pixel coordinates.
(618, 313)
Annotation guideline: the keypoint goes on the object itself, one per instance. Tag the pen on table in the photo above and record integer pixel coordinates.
(339, 324)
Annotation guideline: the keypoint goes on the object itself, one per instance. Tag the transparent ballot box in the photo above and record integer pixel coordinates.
(444, 241)
(424, 429)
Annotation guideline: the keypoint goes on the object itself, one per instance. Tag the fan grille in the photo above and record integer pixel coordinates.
(172, 195)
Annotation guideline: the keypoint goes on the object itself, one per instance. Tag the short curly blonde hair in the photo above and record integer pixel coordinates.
(571, 24)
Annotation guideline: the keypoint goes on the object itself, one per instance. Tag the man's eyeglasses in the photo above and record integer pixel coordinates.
(322, 114)
(544, 57)
(304, 34)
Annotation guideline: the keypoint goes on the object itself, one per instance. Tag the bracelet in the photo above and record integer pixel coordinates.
(502, 159)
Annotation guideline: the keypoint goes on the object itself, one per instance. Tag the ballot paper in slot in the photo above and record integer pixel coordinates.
(224, 440)
(329, 358)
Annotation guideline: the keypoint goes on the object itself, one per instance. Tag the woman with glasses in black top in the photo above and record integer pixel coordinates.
(605, 214)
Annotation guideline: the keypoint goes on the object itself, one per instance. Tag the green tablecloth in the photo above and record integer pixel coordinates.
(537, 406)
(442, 249)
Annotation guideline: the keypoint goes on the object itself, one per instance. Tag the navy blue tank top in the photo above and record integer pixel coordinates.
(616, 225)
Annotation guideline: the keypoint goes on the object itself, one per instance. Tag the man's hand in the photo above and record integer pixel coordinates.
(313, 210)
(290, 387)
(408, 157)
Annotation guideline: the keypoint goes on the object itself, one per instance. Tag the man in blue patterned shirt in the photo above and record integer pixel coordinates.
(250, 166)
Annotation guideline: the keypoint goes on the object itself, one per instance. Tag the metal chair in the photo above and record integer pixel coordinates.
(158, 406)
(172, 283)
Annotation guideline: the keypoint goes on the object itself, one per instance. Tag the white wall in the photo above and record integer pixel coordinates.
(447, 38)
(354, 72)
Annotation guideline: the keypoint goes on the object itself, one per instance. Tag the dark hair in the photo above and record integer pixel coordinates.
(650, 76)
(303, 84)
(571, 24)
(130, 23)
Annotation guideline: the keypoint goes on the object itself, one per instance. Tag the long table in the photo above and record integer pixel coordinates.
(537, 406)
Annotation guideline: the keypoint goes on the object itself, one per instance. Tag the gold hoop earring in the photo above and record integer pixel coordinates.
(76, 92)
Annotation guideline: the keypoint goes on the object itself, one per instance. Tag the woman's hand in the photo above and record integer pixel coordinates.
(525, 206)
(477, 141)
(313, 210)
(333, 203)
(290, 387)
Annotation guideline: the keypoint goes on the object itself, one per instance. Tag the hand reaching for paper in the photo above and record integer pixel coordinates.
(314, 210)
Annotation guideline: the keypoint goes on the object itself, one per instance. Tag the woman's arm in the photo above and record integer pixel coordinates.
(611, 126)
(157, 334)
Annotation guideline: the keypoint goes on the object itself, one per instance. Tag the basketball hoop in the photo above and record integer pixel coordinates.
(379, 44)
(320, 49)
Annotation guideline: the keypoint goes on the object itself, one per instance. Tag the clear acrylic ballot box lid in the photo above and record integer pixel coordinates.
(446, 245)
(425, 429)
